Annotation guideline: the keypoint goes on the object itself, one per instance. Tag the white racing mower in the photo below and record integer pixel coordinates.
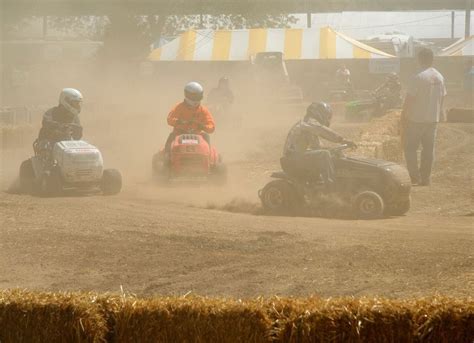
(67, 165)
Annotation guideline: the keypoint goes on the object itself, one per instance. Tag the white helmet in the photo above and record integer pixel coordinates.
(71, 100)
(193, 94)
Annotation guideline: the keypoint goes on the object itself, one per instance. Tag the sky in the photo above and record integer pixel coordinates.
(360, 25)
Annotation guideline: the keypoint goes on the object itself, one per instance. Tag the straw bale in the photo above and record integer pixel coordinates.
(50, 317)
(443, 319)
(189, 320)
(343, 320)
(436, 319)
(87, 317)
(460, 115)
(380, 139)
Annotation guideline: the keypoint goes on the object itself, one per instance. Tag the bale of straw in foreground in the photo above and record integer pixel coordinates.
(50, 317)
(342, 320)
(443, 319)
(189, 320)
(374, 320)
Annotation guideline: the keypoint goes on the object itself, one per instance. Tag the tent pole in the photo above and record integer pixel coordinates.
(453, 18)
(45, 26)
(158, 26)
(468, 19)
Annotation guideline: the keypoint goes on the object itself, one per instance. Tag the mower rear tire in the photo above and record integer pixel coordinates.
(279, 197)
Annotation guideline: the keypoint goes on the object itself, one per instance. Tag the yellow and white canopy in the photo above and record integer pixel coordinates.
(463, 47)
(238, 45)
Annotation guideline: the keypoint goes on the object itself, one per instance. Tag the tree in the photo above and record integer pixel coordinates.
(128, 37)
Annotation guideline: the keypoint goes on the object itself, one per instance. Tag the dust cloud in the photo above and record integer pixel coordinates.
(124, 115)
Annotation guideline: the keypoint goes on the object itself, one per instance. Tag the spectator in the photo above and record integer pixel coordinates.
(421, 113)
(343, 79)
(343, 75)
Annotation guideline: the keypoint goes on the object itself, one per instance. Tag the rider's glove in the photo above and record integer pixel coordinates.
(349, 143)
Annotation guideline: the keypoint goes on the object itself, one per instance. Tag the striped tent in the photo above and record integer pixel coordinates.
(463, 47)
(239, 45)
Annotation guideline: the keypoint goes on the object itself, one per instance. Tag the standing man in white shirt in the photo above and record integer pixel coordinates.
(420, 116)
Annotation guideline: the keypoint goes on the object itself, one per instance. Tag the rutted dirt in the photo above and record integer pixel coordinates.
(209, 240)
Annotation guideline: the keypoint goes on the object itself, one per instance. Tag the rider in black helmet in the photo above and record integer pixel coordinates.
(222, 95)
(303, 155)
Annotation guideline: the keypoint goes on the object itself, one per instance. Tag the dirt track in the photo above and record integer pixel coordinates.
(169, 242)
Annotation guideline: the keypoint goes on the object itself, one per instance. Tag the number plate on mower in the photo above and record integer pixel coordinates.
(190, 141)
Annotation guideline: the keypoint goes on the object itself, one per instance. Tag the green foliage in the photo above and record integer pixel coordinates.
(128, 37)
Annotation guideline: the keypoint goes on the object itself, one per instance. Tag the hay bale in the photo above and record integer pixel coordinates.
(189, 320)
(436, 319)
(343, 320)
(390, 150)
(381, 138)
(460, 115)
(442, 319)
(85, 317)
(50, 317)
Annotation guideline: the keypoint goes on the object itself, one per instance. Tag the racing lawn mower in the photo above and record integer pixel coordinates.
(364, 110)
(191, 158)
(370, 188)
(67, 165)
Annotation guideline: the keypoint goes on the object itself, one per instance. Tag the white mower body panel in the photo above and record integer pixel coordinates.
(78, 161)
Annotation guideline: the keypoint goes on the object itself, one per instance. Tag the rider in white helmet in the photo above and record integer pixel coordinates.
(190, 115)
(66, 114)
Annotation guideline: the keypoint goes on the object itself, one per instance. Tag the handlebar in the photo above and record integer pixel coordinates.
(67, 131)
(342, 147)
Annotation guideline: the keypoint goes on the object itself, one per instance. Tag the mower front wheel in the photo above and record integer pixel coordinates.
(399, 208)
(368, 205)
(51, 183)
(159, 169)
(219, 174)
(111, 183)
(27, 177)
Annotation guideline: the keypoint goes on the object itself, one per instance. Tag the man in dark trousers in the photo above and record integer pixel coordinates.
(421, 113)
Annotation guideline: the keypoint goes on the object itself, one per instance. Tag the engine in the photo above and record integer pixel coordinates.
(79, 161)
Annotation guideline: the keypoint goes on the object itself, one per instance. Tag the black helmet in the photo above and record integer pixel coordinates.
(319, 111)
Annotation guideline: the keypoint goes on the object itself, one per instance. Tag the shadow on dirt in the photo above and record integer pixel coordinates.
(337, 210)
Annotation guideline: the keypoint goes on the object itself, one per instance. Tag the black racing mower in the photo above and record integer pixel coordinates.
(370, 188)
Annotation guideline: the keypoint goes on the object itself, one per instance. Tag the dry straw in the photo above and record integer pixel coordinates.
(87, 317)
(435, 319)
(50, 317)
(381, 139)
(193, 319)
